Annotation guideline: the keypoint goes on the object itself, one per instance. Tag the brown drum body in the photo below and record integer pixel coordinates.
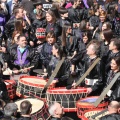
(39, 109)
(11, 88)
(86, 104)
(67, 98)
(31, 86)
(89, 113)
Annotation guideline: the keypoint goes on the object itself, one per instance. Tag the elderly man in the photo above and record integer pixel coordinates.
(10, 111)
(56, 111)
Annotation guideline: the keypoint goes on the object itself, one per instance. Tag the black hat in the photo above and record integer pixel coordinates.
(37, 2)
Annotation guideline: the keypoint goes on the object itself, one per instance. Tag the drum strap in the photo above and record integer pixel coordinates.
(103, 111)
(87, 72)
(54, 73)
(101, 97)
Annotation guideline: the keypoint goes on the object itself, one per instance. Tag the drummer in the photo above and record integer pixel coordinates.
(64, 72)
(94, 80)
(22, 56)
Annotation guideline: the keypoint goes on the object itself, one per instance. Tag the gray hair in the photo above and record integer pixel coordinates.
(10, 108)
(52, 109)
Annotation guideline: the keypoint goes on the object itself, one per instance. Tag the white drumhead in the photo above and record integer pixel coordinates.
(7, 72)
(34, 80)
(36, 104)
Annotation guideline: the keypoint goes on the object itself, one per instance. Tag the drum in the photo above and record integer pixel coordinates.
(89, 113)
(39, 109)
(67, 98)
(31, 86)
(87, 104)
(40, 33)
(11, 88)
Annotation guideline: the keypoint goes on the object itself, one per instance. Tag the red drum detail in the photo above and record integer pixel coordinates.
(89, 113)
(11, 88)
(40, 32)
(39, 109)
(86, 104)
(31, 86)
(67, 98)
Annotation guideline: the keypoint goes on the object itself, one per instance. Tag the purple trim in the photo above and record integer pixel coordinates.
(21, 58)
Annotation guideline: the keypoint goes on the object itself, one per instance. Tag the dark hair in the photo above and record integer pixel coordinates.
(108, 24)
(21, 35)
(96, 45)
(108, 35)
(51, 34)
(63, 10)
(16, 8)
(116, 42)
(83, 24)
(55, 11)
(88, 34)
(25, 107)
(18, 24)
(60, 50)
(117, 60)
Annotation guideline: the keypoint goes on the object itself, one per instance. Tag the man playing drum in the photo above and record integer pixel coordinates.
(95, 79)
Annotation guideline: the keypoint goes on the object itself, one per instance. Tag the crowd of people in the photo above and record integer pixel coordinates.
(39, 33)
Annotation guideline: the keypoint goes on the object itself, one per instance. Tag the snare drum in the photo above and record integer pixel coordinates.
(39, 109)
(89, 113)
(31, 86)
(87, 104)
(67, 98)
(11, 88)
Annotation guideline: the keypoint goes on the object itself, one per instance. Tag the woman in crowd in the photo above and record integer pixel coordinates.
(52, 24)
(46, 51)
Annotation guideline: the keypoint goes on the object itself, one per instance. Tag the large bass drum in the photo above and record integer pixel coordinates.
(67, 98)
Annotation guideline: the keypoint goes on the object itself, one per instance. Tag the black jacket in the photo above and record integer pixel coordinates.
(32, 57)
(63, 73)
(76, 15)
(96, 73)
(113, 116)
(54, 27)
(46, 54)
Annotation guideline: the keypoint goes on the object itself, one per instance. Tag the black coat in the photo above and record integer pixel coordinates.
(63, 73)
(113, 116)
(46, 54)
(96, 73)
(32, 57)
(54, 27)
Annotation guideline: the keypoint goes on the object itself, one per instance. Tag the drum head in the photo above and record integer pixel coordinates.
(36, 104)
(34, 81)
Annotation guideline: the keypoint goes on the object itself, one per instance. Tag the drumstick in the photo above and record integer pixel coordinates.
(26, 68)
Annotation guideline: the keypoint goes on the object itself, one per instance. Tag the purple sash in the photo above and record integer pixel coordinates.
(21, 58)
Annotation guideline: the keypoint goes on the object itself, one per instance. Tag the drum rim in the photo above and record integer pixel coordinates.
(34, 84)
(86, 111)
(31, 103)
(82, 105)
(66, 91)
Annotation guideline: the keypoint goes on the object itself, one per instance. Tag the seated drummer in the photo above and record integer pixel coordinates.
(95, 79)
(113, 111)
(64, 71)
(22, 56)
